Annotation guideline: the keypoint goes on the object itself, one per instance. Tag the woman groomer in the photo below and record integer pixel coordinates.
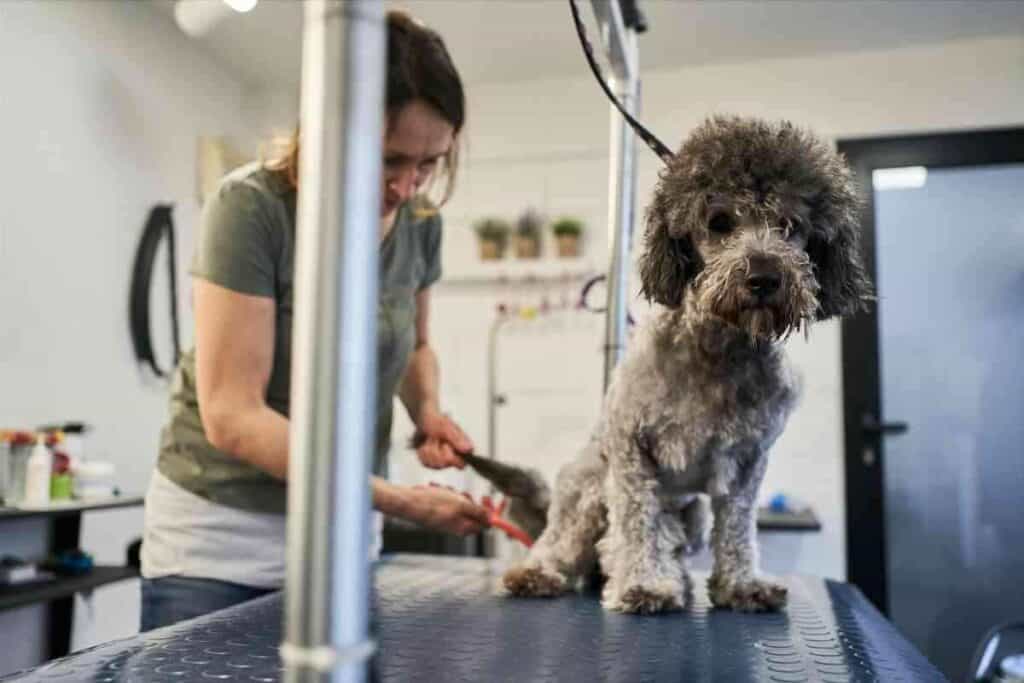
(215, 526)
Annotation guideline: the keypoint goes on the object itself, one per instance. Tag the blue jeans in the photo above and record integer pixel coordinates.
(170, 599)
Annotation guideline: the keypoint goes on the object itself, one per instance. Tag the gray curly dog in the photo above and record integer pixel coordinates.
(752, 234)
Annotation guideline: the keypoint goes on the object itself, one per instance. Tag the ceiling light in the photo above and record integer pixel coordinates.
(198, 17)
(241, 5)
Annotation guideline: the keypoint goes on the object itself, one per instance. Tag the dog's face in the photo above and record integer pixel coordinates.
(756, 223)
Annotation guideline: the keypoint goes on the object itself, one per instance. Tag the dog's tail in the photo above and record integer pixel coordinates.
(529, 498)
(528, 494)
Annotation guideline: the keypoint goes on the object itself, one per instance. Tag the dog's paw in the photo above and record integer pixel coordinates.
(534, 582)
(661, 596)
(752, 595)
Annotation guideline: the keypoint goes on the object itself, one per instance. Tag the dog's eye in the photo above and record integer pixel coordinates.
(721, 223)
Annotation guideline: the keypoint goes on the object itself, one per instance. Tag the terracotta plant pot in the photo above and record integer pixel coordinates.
(568, 246)
(490, 250)
(492, 235)
(527, 247)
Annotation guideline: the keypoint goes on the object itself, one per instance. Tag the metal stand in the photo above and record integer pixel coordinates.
(620, 41)
(326, 628)
(334, 341)
(494, 399)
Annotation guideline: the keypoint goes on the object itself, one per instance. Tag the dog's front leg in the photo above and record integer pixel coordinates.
(734, 582)
(640, 553)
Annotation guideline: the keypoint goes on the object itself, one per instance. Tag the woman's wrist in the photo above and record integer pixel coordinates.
(428, 410)
(386, 497)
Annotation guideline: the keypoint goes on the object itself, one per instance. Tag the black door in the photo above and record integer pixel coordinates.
(933, 381)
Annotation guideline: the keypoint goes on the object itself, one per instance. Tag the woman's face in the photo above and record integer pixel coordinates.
(416, 141)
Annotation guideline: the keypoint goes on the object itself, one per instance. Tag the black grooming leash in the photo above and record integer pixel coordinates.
(633, 19)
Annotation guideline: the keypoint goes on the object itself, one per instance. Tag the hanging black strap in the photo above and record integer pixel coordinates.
(656, 145)
(157, 225)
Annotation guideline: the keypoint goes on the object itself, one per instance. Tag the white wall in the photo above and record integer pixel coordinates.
(271, 112)
(545, 143)
(101, 105)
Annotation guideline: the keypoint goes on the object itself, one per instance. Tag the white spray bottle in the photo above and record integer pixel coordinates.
(37, 474)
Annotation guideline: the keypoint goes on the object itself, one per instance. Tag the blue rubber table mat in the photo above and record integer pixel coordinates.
(440, 619)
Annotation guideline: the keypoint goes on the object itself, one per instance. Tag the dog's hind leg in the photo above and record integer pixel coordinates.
(576, 519)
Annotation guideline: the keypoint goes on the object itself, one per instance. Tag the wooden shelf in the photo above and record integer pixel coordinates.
(62, 586)
(523, 272)
(71, 507)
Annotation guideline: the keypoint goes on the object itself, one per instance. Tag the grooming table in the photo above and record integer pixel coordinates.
(438, 619)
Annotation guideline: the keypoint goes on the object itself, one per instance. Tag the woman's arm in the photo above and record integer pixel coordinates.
(419, 394)
(419, 388)
(234, 357)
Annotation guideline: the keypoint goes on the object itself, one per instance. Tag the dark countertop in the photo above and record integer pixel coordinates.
(439, 619)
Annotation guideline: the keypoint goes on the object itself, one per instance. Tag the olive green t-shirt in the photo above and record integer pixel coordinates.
(246, 243)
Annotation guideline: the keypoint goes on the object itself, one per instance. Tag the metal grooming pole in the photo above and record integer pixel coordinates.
(619, 38)
(494, 399)
(326, 635)
(620, 43)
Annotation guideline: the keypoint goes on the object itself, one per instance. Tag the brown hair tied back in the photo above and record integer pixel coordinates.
(418, 68)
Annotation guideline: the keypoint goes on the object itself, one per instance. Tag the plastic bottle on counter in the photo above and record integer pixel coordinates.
(37, 475)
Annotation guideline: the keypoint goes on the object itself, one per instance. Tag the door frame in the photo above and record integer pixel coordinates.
(866, 558)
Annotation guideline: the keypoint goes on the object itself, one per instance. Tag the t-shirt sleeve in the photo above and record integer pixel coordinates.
(432, 231)
(235, 246)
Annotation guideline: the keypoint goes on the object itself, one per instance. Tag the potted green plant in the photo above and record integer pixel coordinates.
(568, 231)
(528, 234)
(492, 234)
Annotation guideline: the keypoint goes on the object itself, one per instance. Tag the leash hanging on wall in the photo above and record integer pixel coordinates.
(159, 223)
(584, 300)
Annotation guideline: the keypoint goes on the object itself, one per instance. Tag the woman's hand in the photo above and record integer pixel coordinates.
(444, 510)
(440, 441)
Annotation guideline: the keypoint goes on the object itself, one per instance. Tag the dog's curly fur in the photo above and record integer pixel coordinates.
(752, 234)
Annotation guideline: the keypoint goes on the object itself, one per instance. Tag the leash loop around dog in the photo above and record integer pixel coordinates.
(656, 145)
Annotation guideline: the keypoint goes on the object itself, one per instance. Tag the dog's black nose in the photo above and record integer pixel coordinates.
(763, 278)
(763, 286)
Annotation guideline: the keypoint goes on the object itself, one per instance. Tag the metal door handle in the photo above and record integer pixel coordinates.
(871, 425)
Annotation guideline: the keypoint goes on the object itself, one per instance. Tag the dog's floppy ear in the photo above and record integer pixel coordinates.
(834, 245)
(669, 262)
